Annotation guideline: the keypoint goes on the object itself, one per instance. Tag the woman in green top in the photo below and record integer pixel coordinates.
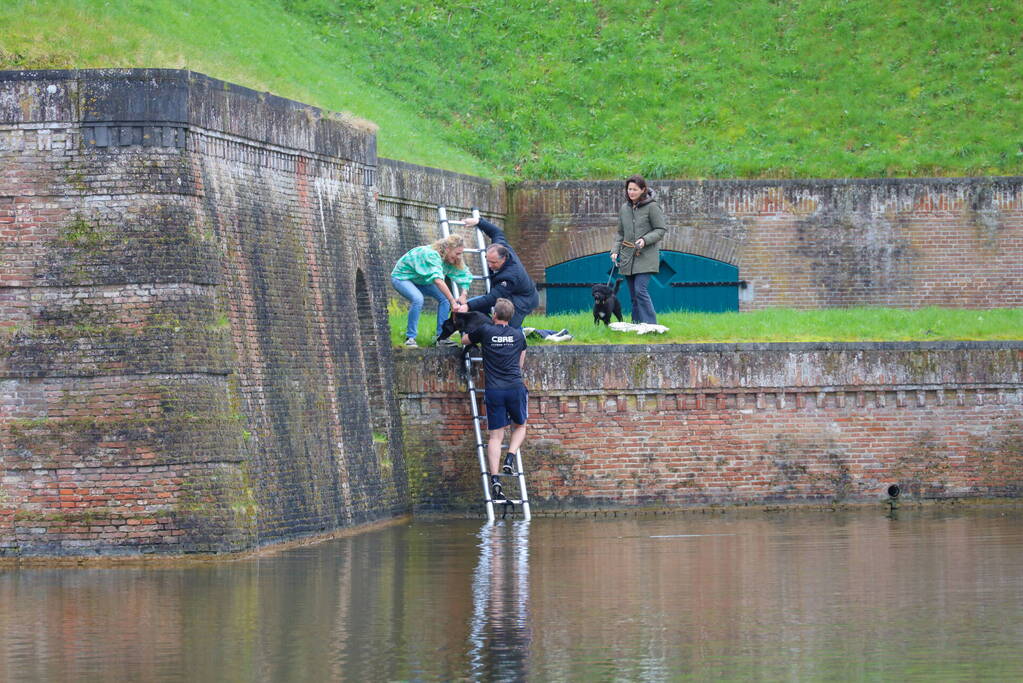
(421, 272)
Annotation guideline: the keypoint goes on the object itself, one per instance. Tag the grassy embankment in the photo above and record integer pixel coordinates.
(731, 88)
(254, 43)
(775, 325)
(579, 89)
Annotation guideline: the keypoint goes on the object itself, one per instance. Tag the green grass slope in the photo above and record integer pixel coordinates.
(254, 43)
(598, 89)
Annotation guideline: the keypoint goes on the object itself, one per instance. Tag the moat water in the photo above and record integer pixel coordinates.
(933, 593)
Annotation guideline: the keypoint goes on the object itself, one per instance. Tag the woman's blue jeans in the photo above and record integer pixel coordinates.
(415, 293)
(642, 305)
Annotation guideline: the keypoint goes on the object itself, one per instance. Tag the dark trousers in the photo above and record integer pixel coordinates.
(477, 304)
(517, 319)
(642, 306)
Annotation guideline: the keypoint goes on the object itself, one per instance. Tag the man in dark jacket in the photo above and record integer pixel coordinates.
(508, 279)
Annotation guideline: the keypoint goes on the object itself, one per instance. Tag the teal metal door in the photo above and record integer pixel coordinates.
(685, 282)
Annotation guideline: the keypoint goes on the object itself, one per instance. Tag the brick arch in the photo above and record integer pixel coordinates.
(564, 246)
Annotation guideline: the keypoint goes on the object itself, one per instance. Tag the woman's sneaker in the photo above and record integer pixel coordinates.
(411, 343)
(509, 463)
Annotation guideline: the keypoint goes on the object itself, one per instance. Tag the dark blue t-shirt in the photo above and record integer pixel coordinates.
(502, 345)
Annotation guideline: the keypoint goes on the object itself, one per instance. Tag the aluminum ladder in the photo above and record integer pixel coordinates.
(476, 394)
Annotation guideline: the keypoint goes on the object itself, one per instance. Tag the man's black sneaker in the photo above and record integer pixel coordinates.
(509, 463)
(498, 492)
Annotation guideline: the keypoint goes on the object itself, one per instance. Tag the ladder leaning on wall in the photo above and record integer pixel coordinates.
(476, 393)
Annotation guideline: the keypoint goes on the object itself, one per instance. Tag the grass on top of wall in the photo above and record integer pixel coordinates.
(255, 43)
(772, 325)
(531, 89)
(697, 89)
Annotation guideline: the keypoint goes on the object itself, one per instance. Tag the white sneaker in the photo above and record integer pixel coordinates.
(411, 343)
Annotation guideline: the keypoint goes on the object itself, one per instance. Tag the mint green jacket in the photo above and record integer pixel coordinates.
(423, 265)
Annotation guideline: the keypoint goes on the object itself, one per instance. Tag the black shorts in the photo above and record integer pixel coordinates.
(503, 404)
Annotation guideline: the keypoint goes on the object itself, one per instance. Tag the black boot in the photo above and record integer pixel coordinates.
(509, 463)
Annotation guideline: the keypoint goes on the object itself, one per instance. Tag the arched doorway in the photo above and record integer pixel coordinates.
(685, 282)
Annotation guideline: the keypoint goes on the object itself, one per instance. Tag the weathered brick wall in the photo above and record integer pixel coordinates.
(808, 244)
(194, 350)
(734, 423)
(192, 302)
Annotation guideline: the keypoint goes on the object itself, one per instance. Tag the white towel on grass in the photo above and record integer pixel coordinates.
(547, 335)
(638, 328)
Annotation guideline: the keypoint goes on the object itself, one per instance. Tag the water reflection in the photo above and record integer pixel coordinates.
(927, 594)
(499, 633)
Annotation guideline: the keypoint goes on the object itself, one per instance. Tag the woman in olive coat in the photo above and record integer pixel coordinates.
(640, 227)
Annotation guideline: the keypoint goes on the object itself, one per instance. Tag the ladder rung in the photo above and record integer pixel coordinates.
(454, 222)
(479, 277)
(473, 251)
(503, 501)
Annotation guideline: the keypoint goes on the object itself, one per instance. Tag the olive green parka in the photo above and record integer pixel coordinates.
(643, 220)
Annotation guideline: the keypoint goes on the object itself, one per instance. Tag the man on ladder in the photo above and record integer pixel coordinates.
(506, 397)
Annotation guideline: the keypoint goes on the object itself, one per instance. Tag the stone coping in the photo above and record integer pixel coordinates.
(718, 347)
(127, 100)
(779, 182)
(742, 367)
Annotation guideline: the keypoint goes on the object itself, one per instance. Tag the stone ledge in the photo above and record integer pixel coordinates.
(423, 187)
(120, 106)
(723, 368)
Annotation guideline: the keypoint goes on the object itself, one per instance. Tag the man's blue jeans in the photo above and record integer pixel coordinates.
(415, 293)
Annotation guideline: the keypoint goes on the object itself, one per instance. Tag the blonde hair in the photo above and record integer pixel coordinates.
(446, 244)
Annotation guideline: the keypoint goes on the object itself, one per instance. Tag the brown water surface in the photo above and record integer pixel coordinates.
(935, 593)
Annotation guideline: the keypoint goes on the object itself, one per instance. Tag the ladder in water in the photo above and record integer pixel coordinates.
(475, 393)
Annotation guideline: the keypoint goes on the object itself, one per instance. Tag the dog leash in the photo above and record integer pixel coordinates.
(611, 275)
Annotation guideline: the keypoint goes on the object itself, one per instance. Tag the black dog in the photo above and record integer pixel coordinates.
(605, 302)
(464, 323)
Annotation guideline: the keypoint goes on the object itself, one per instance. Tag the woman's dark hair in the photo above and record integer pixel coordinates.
(640, 182)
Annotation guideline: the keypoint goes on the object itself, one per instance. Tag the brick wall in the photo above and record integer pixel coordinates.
(694, 424)
(195, 357)
(808, 243)
(192, 310)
